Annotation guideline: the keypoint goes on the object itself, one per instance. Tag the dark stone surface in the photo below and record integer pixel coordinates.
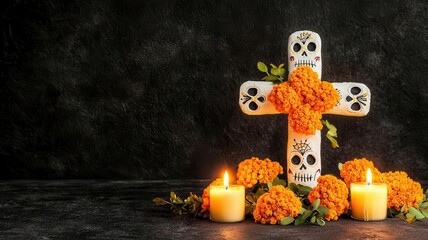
(149, 89)
(88, 209)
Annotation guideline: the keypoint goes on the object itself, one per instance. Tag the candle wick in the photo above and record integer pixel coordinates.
(227, 187)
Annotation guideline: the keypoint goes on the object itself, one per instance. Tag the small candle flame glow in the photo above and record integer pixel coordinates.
(369, 176)
(226, 180)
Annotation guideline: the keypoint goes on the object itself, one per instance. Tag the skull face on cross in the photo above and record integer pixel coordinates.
(304, 151)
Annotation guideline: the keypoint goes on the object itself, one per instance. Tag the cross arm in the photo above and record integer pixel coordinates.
(253, 98)
(354, 99)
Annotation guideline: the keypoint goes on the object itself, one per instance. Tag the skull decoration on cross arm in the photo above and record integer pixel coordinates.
(304, 151)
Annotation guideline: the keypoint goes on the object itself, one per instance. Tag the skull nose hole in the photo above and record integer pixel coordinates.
(356, 106)
(304, 54)
(253, 106)
(303, 167)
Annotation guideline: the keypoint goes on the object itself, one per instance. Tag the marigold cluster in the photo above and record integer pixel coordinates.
(305, 119)
(356, 171)
(278, 203)
(206, 194)
(305, 98)
(254, 170)
(333, 194)
(402, 190)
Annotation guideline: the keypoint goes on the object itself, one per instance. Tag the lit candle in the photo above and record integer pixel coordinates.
(368, 200)
(227, 203)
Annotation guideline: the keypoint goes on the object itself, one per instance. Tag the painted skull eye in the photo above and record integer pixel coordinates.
(252, 92)
(296, 47)
(355, 90)
(311, 46)
(295, 160)
(311, 159)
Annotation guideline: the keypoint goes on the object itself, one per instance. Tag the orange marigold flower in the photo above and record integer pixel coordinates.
(305, 97)
(206, 194)
(402, 190)
(278, 203)
(252, 171)
(304, 120)
(284, 97)
(333, 194)
(356, 171)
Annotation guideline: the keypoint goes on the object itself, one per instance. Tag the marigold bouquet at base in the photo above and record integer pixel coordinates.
(270, 200)
(406, 199)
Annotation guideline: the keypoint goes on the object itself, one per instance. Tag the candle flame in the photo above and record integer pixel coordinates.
(369, 176)
(226, 180)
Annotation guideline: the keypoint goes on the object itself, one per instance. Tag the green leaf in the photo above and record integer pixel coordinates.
(161, 201)
(282, 72)
(293, 187)
(340, 166)
(262, 67)
(403, 208)
(272, 65)
(173, 195)
(250, 198)
(177, 201)
(302, 210)
(331, 134)
(269, 184)
(306, 214)
(280, 66)
(259, 193)
(313, 219)
(274, 71)
(423, 205)
(270, 78)
(299, 220)
(332, 130)
(333, 141)
(416, 213)
(320, 222)
(410, 218)
(323, 210)
(304, 190)
(401, 216)
(425, 213)
(277, 181)
(316, 204)
(393, 211)
(287, 220)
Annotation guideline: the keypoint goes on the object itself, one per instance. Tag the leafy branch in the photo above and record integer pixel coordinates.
(413, 214)
(275, 74)
(331, 134)
(190, 205)
(314, 214)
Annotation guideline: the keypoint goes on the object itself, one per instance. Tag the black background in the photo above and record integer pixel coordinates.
(149, 89)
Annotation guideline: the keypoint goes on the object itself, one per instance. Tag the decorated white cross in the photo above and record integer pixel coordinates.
(304, 151)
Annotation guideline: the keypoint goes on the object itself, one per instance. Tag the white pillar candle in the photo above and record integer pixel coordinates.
(369, 200)
(227, 203)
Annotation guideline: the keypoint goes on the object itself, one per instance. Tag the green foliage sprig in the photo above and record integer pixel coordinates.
(413, 214)
(191, 205)
(331, 134)
(276, 74)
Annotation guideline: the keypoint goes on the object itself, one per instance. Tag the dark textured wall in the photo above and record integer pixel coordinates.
(149, 89)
